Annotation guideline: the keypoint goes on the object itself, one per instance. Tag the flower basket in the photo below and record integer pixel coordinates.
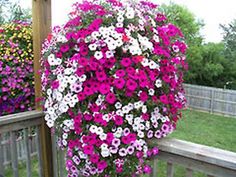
(112, 79)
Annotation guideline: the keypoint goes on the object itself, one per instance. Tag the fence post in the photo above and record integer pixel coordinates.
(1, 157)
(41, 28)
(212, 100)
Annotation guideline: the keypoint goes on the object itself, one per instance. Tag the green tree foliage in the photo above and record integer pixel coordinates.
(229, 39)
(3, 3)
(16, 12)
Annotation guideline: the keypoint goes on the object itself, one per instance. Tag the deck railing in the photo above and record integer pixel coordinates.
(21, 125)
(211, 161)
(194, 157)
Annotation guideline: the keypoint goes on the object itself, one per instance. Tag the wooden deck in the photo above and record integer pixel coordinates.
(194, 157)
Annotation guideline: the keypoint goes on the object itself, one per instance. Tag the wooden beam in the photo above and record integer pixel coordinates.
(41, 28)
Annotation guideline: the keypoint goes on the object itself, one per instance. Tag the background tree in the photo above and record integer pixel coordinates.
(229, 39)
(3, 4)
(18, 13)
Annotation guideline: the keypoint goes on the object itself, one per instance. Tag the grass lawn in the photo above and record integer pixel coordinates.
(198, 127)
(203, 128)
(208, 129)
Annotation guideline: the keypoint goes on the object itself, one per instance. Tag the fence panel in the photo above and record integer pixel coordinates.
(213, 100)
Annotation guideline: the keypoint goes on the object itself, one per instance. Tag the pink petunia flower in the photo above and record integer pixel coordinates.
(131, 84)
(119, 83)
(111, 98)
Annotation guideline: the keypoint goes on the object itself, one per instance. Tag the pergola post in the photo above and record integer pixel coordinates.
(41, 28)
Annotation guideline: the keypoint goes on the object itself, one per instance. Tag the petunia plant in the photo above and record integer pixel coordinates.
(16, 68)
(112, 80)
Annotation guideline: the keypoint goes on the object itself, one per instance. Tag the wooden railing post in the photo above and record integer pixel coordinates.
(1, 156)
(41, 28)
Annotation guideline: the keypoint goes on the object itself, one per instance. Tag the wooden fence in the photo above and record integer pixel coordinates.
(213, 100)
(20, 146)
(211, 161)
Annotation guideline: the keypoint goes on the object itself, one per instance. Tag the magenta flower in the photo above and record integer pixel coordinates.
(102, 165)
(94, 158)
(104, 88)
(119, 83)
(88, 149)
(131, 85)
(118, 120)
(147, 169)
(111, 98)
(126, 62)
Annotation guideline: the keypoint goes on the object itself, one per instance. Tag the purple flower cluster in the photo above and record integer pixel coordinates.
(16, 68)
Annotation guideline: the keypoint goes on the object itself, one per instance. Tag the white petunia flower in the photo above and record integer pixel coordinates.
(50, 110)
(156, 38)
(95, 34)
(103, 136)
(93, 129)
(119, 112)
(130, 150)
(68, 123)
(144, 109)
(64, 135)
(118, 105)
(109, 54)
(140, 134)
(50, 123)
(49, 92)
(93, 47)
(119, 25)
(99, 131)
(120, 18)
(104, 146)
(151, 92)
(113, 149)
(122, 152)
(82, 78)
(115, 142)
(145, 62)
(130, 13)
(153, 65)
(175, 48)
(98, 55)
(63, 108)
(105, 152)
(68, 71)
(125, 110)
(158, 83)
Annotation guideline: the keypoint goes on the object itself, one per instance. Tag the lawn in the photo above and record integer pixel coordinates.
(198, 127)
(208, 129)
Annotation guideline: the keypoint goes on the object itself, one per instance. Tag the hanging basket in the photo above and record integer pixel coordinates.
(112, 80)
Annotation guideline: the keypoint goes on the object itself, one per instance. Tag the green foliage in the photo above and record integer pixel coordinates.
(229, 39)
(3, 3)
(17, 13)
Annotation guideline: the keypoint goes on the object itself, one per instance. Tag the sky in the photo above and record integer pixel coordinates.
(212, 12)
